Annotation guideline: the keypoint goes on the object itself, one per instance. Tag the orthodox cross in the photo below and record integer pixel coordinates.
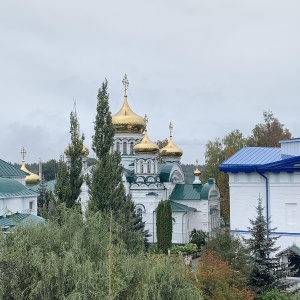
(197, 163)
(125, 83)
(23, 153)
(146, 121)
(171, 128)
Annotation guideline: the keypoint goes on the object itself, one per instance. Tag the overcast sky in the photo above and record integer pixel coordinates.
(208, 66)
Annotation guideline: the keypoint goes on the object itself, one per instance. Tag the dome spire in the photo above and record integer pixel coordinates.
(146, 122)
(125, 82)
(171, 129)
(23, 153)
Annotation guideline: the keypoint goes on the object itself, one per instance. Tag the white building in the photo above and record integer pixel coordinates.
(272, 174)
(151, 175)
(15, 197)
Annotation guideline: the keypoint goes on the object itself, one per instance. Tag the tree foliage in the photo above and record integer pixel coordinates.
(107, 193)
(69, 179)
(164, 226)
(231, 249)
(105, 187)
(268, 271)
(85, 259)
(217, 280)
(269, 133)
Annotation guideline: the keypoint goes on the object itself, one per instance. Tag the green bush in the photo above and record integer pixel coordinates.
(186, 249)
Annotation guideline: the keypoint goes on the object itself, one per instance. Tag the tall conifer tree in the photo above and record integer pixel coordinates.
(69, 179)
(164, 225)
(106, 189)
(268, 272)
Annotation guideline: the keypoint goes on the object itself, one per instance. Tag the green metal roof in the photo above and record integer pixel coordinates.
(50, 185)
(164, 170)
(7, 169)
(12, 188)
(180, 207)
(190, 191)
(17, 219)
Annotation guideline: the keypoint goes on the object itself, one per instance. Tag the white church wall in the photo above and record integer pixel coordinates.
(284, 203)
(18, 204)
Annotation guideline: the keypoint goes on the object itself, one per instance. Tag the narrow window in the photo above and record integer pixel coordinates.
(139, 212)
(31, 205)
(124, 148)
(142, 166)
(148, 167)
(118, 147)
(131, 148)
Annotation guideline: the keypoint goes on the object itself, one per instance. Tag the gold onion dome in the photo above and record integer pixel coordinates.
(197, 172)
(126, 121)
(31, 178)
(85, 151)
(145, 146)
(171, 149)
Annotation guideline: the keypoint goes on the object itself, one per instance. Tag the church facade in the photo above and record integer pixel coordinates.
(151, 174)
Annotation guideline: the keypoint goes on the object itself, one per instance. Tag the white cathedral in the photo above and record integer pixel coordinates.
(149, 179)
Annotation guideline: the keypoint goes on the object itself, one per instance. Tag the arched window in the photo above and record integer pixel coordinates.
(124, 148)
(142, 166)
(118, 147)
(139, 212)
(131, 148)
(148, 167)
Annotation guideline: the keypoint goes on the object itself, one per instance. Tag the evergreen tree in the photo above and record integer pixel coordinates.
(69, 179)
(164, 226)
(268, 272)
(107, 193)
(43, 198)
(105, 187)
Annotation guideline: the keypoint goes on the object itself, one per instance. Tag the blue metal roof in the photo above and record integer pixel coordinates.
(260, 159)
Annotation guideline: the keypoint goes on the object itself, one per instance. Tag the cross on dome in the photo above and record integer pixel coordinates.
(126, 84)
(146, 122)
(23, 153)
(171, 129)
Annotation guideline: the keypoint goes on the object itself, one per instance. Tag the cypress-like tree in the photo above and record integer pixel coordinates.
(43, 199)
(164, 225)
(107, 193)
(105, 188)
(268, 271)
(69, 179)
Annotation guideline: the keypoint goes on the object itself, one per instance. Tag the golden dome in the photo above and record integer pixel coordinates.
(31, 178)
(171, 150)
(127, 121)
(197, 172)
(145, 146)
(85, 151)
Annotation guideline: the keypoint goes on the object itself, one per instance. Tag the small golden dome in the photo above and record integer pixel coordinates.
(31, 178)
(197, 172)
(85, 151)
(171, 150)
(126, 121)
(145, 146)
